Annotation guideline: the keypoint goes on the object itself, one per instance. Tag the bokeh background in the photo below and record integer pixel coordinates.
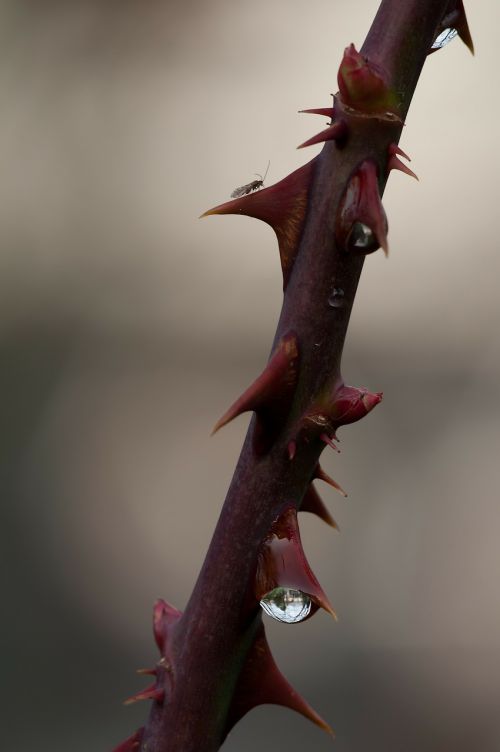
(127, 326)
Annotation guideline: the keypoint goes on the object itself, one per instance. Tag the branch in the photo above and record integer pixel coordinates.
(327, 216)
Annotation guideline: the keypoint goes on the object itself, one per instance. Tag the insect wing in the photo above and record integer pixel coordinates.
(248, 188)
(243, 190)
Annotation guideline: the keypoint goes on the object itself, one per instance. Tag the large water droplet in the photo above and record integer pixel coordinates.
(336, 299)
(444, 38)
(287, 605)
(362, 238)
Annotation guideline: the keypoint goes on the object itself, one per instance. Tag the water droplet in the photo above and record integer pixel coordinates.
(444, 38)
(287, 605)
(336, 299)
(362, 238)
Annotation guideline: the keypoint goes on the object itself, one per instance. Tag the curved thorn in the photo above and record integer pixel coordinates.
(146, 671)
(320, 474)
(261, 682)
(465, 36)
(313, 503)
(150, 693)
(292, 450)
(395, 164)
(395, 149)
(361, 203)
(282, 206)
(458, 19)
(283, 563)
(333, 133)
(132, 743)
(324, 437)
(275, 384)
(326, 111)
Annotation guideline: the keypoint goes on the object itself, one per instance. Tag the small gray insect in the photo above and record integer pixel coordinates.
(253, 186)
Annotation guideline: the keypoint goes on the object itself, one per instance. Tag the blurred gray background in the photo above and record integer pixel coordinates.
(127, 327)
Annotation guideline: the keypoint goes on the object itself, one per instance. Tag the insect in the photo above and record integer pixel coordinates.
(253, 186)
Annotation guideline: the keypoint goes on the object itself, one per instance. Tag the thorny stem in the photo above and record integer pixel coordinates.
(215, 631)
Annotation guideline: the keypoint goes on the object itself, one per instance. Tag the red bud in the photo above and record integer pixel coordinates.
(362, 84)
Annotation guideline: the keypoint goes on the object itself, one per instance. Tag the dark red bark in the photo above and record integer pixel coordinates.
(313, 211)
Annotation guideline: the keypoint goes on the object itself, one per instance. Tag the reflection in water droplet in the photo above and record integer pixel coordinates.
(287, 605)
(362, 238)
(336, 299)
(444, 38)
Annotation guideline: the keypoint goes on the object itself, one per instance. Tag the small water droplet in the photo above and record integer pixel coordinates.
(444, 38)
(287, 605)
(336, 299)
(362, 238)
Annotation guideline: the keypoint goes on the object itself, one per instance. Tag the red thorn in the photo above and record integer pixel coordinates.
(132, 743)
(150, 693)
(164, 618)
(146, 671)
(394, 149)
(262, 683)
(462, 26)
(313, 503)
(361, 204)
(326, 111)
(282, 563)
(320, 474)
(334, 132)
(283, 206)
(292, 450)
(395, 164)
(324, 437)
(456, 18)
(271, 392)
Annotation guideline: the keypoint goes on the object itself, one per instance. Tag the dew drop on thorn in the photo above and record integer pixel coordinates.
(362, 238)
(287, 605)
(444, 38)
